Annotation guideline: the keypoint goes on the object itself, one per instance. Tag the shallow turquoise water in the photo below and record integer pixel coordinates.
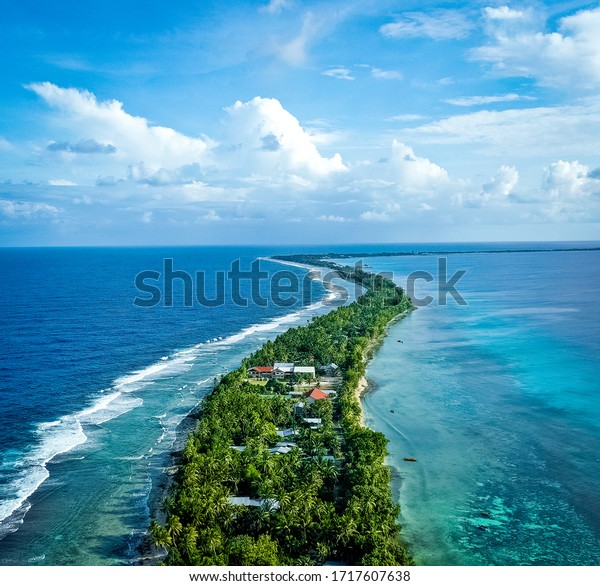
(499, 403)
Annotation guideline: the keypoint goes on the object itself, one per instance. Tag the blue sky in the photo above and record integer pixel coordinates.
(289, 121)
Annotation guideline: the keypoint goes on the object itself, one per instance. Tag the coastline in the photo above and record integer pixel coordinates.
(363, 387)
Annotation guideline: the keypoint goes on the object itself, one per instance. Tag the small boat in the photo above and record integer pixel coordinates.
(401, 342)
(486, 514)
(392, 411)
(410, 459)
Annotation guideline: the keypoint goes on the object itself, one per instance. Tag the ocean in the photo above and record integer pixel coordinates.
(93, 387)
(499, 402)
(497, 399)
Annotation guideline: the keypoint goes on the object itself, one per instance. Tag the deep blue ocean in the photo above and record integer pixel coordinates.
(498, 399)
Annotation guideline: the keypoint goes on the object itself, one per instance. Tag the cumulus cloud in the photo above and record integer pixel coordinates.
(413, 172)
(86, 147)
(440, 25)
(290, 149)
(26, 210)
(146, 218)
(568, 56)
(494, 192)
(132, 136)
(211, 216)
(503, 183)
(566, 180)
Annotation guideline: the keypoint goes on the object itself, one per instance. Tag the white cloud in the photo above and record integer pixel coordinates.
(568, 57)
(483, 100)
(211, 216)
(566, 180)
(413, 172)
(572, 192)
(503, 183)
(271, 141)
(339, 73)
(333, 218)
(504, 13)
(295, 52)
(61, 182)
(373, 216)
(26, 210)
(146, 218)
(141, 174)
(405, 118)
(439, 25)
(543, 131)
(383, 74)
(276, 6)
(133, 137)
(4, 144)
(496, 191)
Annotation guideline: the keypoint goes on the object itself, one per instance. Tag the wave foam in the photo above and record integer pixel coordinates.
(63, 435)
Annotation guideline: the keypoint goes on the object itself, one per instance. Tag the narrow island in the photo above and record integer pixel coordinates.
(280, 469)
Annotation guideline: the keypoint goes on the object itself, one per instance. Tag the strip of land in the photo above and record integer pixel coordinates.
(280, 469)
(323, 259)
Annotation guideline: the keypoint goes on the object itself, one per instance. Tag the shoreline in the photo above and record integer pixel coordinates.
(363, 387)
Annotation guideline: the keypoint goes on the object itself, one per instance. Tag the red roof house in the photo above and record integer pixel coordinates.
(260, 371)
(316, 395)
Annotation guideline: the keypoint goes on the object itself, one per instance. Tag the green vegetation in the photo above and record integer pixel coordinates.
(328, 497)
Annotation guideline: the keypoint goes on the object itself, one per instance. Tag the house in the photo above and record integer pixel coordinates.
(314, 422)
(307, 370)
(280, 450)
(286, 445)
(238, 448)
(286, 433)
(299, 408)
(260, 372)
(246, 501)
(315, 395)
(330, 369)
(283, 369)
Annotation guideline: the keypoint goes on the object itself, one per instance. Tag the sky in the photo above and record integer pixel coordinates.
(298, 122)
